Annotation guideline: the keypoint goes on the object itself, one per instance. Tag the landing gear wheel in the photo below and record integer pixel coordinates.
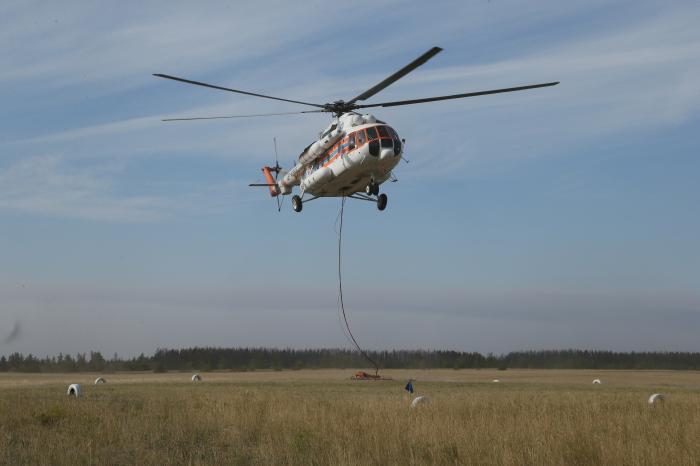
(297, 204)
(381, 201)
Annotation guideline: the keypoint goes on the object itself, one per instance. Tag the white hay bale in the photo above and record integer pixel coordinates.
(420, 400)
(495, 381)
(74, 390)
(656, 398)
(99, 381)
(597, 382)
(196, 378)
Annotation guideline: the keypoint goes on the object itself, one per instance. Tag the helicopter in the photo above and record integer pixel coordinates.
(354, 154)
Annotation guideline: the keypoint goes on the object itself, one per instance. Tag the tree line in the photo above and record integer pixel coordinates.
(249, 359)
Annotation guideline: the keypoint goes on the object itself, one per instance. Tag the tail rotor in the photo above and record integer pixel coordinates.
(270, 181)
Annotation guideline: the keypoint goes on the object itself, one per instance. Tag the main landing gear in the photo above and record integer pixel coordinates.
(298, 202)
(381, 200)
(372, 189)
(297, 205)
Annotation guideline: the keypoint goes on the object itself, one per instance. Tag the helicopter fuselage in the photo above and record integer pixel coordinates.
(351, 154)
(347, 171)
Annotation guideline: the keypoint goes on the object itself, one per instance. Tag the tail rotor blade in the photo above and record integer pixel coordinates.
(277, 164)
(277, 173)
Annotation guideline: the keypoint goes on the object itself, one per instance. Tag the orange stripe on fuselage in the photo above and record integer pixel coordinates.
(340, 152)
(345, 150)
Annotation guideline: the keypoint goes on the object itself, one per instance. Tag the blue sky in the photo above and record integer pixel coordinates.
(558, 217)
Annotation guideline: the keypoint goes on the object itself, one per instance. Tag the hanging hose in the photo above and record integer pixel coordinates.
(340, 293)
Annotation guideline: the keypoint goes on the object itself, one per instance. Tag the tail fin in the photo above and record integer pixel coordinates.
(272, 183)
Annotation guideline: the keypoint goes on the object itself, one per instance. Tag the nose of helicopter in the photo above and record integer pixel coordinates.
(386, 154)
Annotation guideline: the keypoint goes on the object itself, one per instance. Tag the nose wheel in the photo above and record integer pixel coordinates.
(372, 189)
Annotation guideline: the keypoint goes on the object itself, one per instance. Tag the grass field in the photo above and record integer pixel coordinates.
(322, 417)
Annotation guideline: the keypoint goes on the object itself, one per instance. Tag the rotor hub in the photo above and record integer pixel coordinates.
(339, 107)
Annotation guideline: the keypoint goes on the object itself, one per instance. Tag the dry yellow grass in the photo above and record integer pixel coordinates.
(321, 417)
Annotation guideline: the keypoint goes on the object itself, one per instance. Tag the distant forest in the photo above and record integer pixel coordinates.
(250, 359)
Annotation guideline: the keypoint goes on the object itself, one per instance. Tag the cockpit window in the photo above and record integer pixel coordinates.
(371, 133)
(386, 143)
(382, 131)
(360, 136)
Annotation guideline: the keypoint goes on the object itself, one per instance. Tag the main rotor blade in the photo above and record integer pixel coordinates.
(398, 75)
(242, 116)
(197, 83)
(456, 96)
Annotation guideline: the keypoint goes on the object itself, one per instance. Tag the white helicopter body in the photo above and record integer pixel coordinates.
(354, 155)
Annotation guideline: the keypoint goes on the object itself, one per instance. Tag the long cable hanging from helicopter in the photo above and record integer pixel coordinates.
(340, 292)
(334, 165)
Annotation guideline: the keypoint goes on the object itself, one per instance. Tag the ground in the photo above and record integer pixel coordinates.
(322, 417)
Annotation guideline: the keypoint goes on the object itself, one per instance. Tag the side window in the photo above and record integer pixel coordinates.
(351, 141)
(383, 132)
(360, 135)
(371, 134)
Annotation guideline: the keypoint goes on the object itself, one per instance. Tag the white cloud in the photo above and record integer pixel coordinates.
(121, 45)
(645, 75)
(54, 185)
(45, 185)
